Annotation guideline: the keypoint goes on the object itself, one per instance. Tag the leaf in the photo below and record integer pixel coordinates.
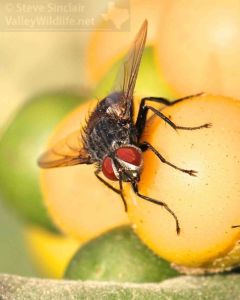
(219, 287)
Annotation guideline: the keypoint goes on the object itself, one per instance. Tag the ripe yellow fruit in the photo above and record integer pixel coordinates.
(198, 46)
(51, 252)
(207, 206)
(79, 204)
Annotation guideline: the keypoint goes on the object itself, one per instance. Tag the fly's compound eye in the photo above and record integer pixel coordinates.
(130, 155)
(107, 169)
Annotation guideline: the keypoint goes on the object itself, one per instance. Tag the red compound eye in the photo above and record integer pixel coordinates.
(130, 155)
(107, 169)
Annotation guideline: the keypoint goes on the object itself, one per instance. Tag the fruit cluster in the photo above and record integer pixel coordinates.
(192, 47)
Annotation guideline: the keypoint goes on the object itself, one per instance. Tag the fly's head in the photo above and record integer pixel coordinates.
(124, 164)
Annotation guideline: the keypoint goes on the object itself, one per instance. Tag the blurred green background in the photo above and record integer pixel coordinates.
(33, 63)
(14, 255)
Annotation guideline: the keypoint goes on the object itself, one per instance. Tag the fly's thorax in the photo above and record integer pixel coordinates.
(124, 164)
(108, 134)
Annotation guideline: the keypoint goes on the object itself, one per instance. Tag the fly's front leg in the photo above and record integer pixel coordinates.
(122, 196)
(119, 192)
(135, 189)
(105, 182)
(145, 146)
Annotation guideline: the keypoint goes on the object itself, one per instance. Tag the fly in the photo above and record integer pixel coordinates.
(112, 140)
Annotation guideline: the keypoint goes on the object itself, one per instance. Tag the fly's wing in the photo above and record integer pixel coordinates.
(132, 62)
(67, 152)
(127, 77)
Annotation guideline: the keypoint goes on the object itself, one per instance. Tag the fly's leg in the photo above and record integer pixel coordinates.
(142, 117)
(165, 101)
(135, 189)
(119, 192)
(122, 196)
(145, 146)
(105, 182)
(142, 113)
(160, 100)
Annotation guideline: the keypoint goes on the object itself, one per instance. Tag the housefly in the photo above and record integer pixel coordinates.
(111, 139)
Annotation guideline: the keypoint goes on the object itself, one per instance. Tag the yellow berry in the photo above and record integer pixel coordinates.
(207, 206)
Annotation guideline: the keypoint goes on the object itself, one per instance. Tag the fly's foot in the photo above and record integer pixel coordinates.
(207, 125)
(192, 173)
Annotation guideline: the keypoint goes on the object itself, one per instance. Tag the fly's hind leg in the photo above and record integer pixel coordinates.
(143, 110)
(165, 101)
